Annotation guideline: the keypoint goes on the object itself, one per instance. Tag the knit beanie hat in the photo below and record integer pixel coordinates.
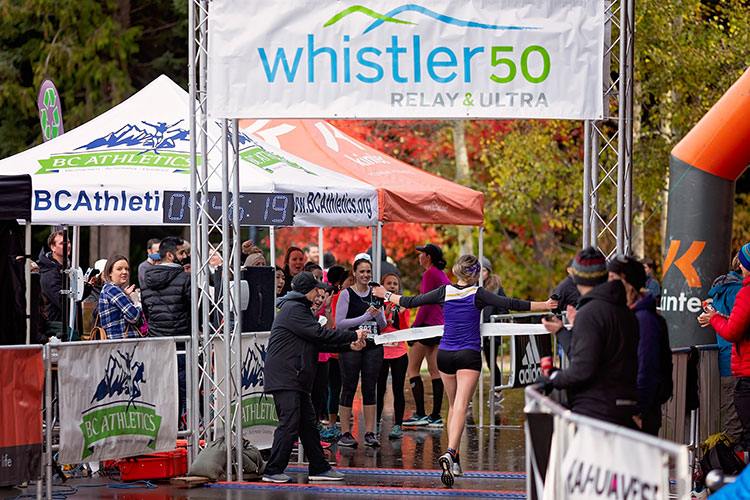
(589, 267)
(486, 263)
(744, 256)
(633, 270)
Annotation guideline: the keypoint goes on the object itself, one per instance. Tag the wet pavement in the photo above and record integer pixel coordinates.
(493, 459)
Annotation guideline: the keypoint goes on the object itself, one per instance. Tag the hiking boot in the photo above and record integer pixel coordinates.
(396, 432)
(329, 475)
(371, 440)
(348, 440)
(435, 422)
(277, 478)
(415, 420)
(446, 465)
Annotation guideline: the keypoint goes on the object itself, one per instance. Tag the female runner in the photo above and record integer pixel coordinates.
(459, 354)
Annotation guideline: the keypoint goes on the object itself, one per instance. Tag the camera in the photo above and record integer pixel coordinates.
(375, 302)
(708, 306)
(557, 310)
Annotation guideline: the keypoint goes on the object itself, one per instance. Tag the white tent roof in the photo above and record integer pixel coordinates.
(119, 167)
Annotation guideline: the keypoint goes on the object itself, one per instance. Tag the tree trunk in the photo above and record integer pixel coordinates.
(463, 174)
(108, 240)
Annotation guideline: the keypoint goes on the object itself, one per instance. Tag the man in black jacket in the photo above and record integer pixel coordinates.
(165, 298)
(601, 378)
(291, 360)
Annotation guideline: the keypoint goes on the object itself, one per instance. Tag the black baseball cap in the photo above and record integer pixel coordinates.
(305, 281)
(433, 251)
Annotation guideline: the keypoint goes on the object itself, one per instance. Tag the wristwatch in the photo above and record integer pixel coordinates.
(387, 296)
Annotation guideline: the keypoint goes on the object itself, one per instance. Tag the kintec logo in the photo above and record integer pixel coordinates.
(373, 57)
(531, 364)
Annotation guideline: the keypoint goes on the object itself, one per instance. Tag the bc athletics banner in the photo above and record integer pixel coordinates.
(599, 465)
(399, 59)
(259, 418)
(117, 399)
(22, 375)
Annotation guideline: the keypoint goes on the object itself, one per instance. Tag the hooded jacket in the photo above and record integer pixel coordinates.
(736, 329)
(723, 292)
(166, 300)
(601, 378)
(649, 373)
(51, 281)
(294, 344)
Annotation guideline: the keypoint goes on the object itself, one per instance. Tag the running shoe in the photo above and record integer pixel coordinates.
(446, 465)
(371, 440)
(277, 478)
(348, 441)
(457, 470)
(499, 397)
(329, 475)
(325, 445)
(415, 421)
(396, 432)
(435, 422)
(330, 434)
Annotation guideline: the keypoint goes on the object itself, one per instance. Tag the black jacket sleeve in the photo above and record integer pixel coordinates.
(436, 296)
(585, 352)
(307, 328)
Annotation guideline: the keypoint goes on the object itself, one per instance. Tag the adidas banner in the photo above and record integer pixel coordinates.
(259, 418)
(117, 399)
(406, 59)
(528, 352)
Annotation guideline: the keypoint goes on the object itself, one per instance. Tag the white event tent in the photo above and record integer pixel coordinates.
(121, 167)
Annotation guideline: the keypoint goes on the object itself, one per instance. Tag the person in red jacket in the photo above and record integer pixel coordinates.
(736, 329)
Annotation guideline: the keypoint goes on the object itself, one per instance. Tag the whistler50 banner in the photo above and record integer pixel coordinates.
(399, 59)
(117, 399)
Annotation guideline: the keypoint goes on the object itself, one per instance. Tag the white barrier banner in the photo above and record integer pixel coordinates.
(486, 329)
(599, 465)
(396, 59)
(259, 418)
(117, 399)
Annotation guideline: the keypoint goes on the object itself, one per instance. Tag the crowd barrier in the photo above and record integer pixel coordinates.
(111, 399)
(572, 456)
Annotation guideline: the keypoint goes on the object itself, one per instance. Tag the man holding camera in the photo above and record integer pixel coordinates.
(291, 360)
(601, 379)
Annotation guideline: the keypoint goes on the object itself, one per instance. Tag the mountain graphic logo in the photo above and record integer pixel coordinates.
(253, 366)
(531, 364)
(123, 375)
(390, 17)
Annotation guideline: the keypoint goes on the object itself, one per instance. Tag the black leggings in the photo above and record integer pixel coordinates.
(334, 386)
(397, 367)
(319, 393)
(367, 361)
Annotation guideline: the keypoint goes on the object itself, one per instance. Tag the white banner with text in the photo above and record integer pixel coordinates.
(395, 59)
(117, 399)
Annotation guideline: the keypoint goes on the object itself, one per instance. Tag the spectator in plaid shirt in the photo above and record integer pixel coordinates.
(119, 305)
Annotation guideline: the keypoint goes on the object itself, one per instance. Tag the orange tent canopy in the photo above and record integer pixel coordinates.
(720, 143)
(405, 193)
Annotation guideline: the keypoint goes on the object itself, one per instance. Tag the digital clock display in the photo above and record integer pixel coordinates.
(255, 209)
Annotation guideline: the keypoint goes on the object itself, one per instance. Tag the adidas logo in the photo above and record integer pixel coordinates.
(531, 364)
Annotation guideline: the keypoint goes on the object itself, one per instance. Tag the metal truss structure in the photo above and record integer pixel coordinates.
(216, 325)
(607, 197)
(608, 145)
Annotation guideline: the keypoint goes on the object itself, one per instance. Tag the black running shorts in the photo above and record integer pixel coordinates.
(466, 359)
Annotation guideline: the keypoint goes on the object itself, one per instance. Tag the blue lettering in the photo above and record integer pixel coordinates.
(41, 200)
(370, 64)
(417, 58)
(432, 63)
(135, 203)
(312, 52)
(280, 57)
(57, 200)
(468, 54)
(347, 62)
(395, 50)
(83, 200)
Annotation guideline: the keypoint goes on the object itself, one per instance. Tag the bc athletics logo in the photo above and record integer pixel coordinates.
(389, 17)
(685, 263)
